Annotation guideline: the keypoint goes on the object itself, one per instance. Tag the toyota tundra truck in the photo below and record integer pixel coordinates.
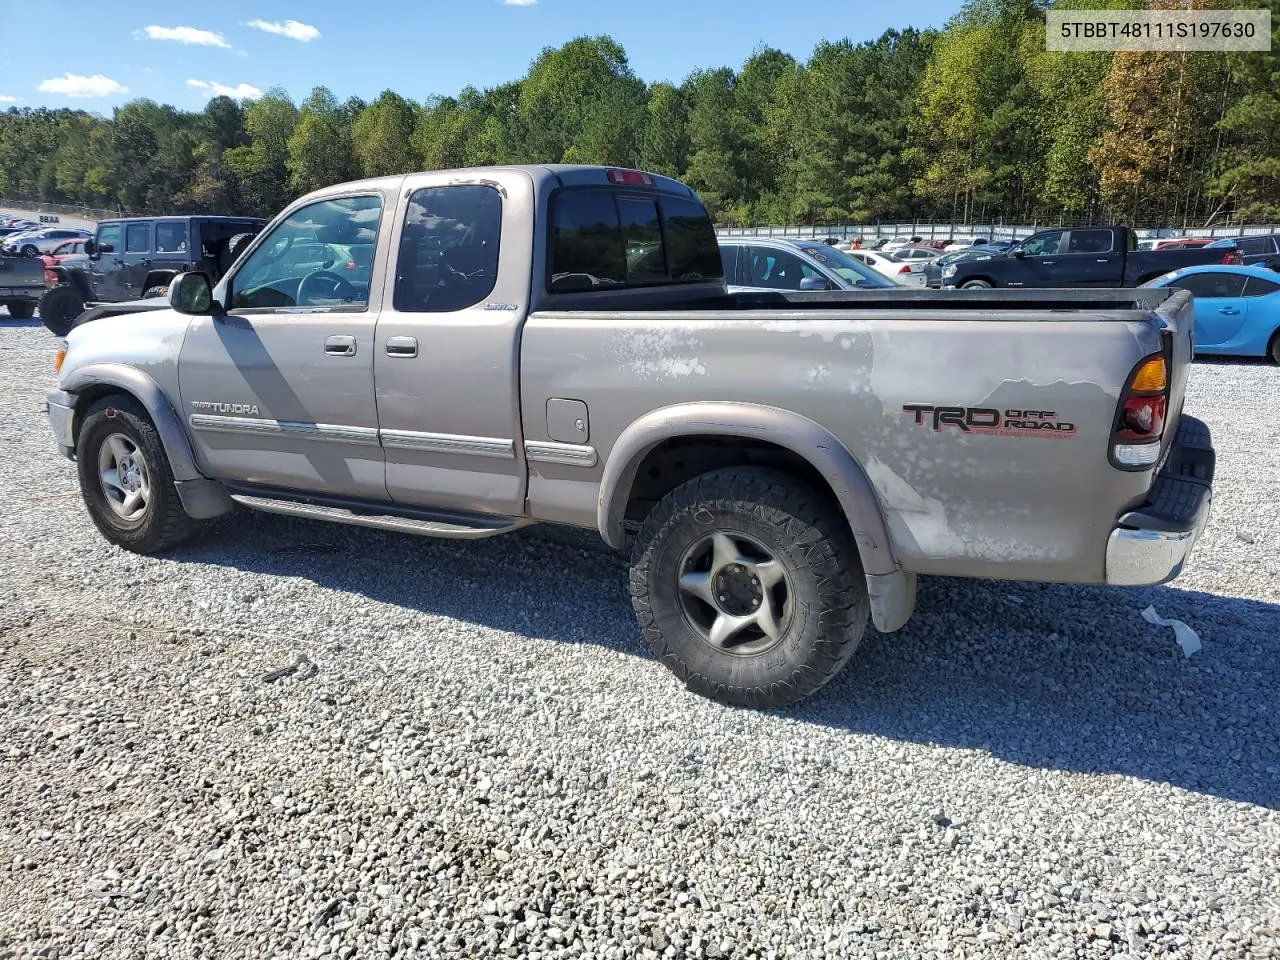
(556, 344)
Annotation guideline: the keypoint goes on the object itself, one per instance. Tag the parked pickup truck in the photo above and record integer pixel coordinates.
(1087, 257)
(22, 284)
(779, 464)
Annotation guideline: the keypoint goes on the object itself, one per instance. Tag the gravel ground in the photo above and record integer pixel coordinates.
(478, 759)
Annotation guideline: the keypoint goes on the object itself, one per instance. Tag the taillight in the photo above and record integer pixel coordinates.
(906, 268)
(1135, 441)
(630, 178)
(1233, 258)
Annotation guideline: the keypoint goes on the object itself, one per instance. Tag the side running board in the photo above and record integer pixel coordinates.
(482, 527)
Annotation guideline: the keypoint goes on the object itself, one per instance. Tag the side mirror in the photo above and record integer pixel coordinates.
(1019, 253)
(90, 247)
(190, 293)
(814, 283)
(106, 248)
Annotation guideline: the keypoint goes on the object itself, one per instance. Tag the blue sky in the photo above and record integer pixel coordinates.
(182, 53)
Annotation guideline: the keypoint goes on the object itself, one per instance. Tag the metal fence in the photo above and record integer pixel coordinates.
(62, 209)
(936, 230)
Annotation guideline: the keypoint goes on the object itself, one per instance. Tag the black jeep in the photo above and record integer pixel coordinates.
(136, 258)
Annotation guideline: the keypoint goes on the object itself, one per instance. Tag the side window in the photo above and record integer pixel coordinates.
(729, 263)
(1043, 244)
(1089, 241)
(1255, 245)
(303, 261)
(775, 269)
(1257, 287)
(109, 238)
(448, 258)
(171, 236)
(137, 238)
(1212, 285)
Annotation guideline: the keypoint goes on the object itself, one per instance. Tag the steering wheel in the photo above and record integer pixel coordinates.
(339, 288)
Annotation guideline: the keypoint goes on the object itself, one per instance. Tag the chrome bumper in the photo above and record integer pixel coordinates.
(1152, 543)
(61, 420)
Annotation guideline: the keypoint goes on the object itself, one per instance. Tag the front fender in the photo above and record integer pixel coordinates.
(92, 378)
(891, 590)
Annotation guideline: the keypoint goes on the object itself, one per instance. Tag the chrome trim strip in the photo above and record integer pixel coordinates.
(571, 454)
(496, 447)
(277, 428)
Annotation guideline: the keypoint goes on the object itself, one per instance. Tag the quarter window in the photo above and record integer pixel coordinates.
(448, 257)
(1257, 287)
(320, 257)
(137, 238)
(171, 236)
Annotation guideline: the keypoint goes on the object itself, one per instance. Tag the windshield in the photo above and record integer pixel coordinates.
(858, 274)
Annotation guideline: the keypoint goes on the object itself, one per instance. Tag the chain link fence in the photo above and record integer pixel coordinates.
(941, 230)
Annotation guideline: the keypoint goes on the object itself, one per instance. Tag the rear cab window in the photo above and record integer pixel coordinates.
(603, 237)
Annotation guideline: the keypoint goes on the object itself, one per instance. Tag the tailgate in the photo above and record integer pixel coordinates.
(1177, 328)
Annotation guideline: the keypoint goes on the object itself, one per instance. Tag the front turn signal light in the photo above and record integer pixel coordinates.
(58, 358)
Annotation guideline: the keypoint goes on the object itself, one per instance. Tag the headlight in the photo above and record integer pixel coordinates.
(949, 270)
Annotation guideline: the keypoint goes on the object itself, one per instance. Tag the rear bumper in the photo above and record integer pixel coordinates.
(1151, 543)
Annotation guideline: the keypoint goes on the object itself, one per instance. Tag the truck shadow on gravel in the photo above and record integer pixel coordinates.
(1039, 675)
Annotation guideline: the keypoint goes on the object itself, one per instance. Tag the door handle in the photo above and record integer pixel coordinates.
(1100, 260)
(402, 346)
(340, 346)
(1047, 263)
(1229, 311)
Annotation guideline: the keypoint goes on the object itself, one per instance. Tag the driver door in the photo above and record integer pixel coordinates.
(278, 391)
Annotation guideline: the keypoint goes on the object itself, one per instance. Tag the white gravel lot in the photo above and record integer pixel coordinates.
(484, 762)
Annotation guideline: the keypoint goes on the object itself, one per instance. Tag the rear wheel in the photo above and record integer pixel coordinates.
(747, 586)
(157, 290)
(59, 309)
(1274, 348)
(125, 478)
(975, 285)
(24, 310)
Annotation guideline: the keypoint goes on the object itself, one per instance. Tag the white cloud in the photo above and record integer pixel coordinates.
(241, 91)
(191, 35)
(518, 3)
(4, 99)
(293, 29)
(73, 85)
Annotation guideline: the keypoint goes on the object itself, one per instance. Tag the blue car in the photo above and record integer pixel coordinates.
(1237, 309)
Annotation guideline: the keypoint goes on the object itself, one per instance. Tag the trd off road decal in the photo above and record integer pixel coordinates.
(988, 420)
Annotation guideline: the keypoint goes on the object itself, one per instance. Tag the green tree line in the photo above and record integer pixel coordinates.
(972, 122)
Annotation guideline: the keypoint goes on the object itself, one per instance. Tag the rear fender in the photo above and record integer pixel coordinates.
(891, 590)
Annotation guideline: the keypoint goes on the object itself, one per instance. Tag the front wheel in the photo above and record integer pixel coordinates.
(158, 290)
(747, 585)
(1273, 349)
(975, 285)
(30, 250)
(125, 478)
(59, 309)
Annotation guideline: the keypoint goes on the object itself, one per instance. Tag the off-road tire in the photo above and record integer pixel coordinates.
(804, 533)
(22, 311)
(59, 309)
(158, 290)
(975, 285)
(164, 524)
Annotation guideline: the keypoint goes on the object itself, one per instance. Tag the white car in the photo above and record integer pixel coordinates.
(896, 244)
(963, 243)
(907, 272)
(915, 254)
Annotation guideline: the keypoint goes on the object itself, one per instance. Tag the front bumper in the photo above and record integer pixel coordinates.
(1151, 543)
(58, 407)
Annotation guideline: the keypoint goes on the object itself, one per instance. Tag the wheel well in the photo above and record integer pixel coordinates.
(158, 276)
(674, 461)
(89, 396)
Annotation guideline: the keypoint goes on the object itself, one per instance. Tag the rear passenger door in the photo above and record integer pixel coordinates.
(1090, 259)
(138, 237)
(445, 348)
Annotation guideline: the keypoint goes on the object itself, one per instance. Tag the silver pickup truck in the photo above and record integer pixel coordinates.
(463, 353)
